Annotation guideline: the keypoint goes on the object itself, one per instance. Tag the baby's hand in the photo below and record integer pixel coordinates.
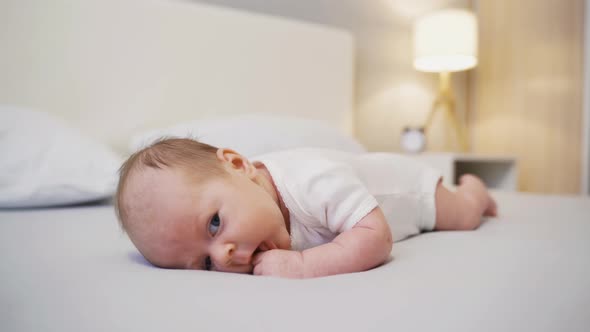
(279, 263)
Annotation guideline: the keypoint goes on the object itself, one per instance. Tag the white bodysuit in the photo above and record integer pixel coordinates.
(327, 192)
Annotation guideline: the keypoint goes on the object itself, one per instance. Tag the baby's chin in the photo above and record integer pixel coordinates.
(284, 241)
(280, 242)
(286, 246)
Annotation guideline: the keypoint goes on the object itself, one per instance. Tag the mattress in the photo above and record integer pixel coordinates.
(72, 269)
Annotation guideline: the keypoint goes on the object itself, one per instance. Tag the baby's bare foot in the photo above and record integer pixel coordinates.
(492, 209)
(472, 186)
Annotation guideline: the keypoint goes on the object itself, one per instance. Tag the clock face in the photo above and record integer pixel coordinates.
(413, 140)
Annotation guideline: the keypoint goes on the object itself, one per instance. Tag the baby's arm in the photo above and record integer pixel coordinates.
(363, 247)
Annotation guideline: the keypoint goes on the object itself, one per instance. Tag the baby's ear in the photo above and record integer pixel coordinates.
(236, 161)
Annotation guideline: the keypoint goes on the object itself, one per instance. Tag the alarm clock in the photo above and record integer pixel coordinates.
(413, 140)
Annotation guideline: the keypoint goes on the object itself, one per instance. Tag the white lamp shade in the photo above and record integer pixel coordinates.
(445, 41)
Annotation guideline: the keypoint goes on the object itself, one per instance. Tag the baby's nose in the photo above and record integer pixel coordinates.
(232, 256)
(229, 249)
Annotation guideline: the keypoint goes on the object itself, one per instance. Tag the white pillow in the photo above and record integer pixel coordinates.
(256, 134)
(45, 163)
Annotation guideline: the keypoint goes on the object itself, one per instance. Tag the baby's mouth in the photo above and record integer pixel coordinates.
(265, 246)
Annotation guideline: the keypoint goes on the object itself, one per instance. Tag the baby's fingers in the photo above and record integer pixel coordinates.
(257, 270)
(260, 268)
(257, 258)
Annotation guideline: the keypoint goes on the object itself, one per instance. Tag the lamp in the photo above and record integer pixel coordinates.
(445, 41)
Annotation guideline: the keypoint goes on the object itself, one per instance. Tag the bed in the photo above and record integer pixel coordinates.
(70, 268)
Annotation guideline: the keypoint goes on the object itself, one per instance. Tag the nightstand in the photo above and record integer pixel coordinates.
(498, 172)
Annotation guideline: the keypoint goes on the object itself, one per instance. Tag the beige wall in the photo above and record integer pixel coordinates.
(389, 94)
(586, 89)
(525, 96)
(529, 89)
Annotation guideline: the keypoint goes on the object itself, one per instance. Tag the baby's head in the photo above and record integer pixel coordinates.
(186, 204)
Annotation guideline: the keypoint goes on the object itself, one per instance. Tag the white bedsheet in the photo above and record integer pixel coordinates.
(71, 269)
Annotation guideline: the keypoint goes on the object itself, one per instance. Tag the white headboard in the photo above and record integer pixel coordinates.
(113, 67)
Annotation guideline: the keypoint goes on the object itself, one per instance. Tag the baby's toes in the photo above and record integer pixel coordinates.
(492, 209)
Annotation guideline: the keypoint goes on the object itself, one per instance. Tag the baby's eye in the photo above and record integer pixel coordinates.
(214, 224)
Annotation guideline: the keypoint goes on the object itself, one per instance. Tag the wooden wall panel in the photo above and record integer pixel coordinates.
(528, 89)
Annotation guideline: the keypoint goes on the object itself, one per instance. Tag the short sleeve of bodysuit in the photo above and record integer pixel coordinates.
(324, 195)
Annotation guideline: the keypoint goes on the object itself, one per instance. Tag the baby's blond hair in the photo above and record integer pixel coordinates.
(197, 159)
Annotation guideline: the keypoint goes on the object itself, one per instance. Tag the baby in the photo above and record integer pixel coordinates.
(297, 213)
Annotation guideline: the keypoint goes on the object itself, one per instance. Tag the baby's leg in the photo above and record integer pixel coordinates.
(463, 209)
